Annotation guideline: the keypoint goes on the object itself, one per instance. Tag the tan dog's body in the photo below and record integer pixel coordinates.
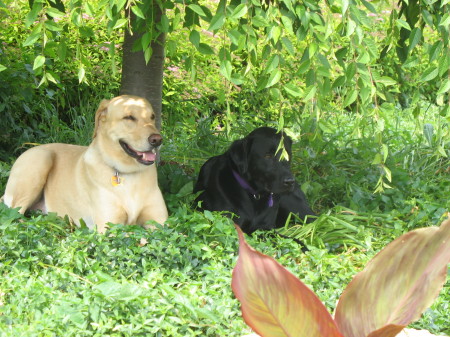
(114, 179)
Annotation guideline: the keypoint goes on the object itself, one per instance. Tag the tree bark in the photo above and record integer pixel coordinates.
(139, 78)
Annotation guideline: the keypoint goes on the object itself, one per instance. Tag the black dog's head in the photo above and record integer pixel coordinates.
(257, 160)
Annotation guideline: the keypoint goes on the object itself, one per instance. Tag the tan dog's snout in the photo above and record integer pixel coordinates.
(155, 140)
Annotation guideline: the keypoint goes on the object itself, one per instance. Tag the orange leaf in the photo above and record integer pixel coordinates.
(397, 285)
(274, 302)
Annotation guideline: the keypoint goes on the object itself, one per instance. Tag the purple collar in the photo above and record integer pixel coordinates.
(246, 186)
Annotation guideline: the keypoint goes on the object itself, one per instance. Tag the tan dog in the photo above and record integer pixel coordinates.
(113, 179)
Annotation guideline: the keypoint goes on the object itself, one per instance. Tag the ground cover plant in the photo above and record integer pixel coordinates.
(373, 163)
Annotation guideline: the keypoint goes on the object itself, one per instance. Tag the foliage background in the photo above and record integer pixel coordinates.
(364, 118)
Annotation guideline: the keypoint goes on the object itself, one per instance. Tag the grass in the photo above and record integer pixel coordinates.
(63, 280)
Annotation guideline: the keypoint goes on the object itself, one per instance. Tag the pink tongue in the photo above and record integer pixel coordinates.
(147, 156)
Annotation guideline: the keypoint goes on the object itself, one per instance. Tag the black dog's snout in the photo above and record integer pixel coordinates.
(289, 182)
(155, 140)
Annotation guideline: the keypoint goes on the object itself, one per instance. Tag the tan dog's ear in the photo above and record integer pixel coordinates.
(101, 111)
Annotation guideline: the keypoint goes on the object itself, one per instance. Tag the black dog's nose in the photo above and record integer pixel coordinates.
(155, 140)
(288, 182)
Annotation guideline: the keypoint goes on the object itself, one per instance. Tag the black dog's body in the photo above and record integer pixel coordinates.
(251, 181)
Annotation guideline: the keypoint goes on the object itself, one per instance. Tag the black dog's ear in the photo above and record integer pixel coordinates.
(238, 153)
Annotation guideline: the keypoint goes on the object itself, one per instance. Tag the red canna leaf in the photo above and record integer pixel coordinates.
(397, 285)
(274, 302)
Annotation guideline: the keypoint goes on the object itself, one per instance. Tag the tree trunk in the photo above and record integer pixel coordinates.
(139, 78)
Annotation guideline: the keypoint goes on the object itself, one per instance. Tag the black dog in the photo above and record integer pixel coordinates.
(252, 181)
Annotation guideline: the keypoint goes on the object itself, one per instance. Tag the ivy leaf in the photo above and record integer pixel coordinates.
(397, 285)
(274, 302)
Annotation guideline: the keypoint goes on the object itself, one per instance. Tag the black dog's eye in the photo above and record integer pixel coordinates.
(130, 117)
(268, 156)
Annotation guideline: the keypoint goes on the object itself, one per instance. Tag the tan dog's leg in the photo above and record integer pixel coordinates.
(157, 211)
(27, 179)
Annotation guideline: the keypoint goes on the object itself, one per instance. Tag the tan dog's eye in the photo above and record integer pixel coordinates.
(152, 117)
(130, 117)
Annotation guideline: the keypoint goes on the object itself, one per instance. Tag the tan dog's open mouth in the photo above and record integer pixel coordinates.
(146, 158)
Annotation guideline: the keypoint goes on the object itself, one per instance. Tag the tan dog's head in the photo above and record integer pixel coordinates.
(126, 134)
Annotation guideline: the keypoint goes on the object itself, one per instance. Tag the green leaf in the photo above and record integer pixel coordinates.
(403, 24)
(53, 12)
(217, 21)
(50, 77)
(205, 49)
(239, 11)
(138, 11)
(435, 50)
(350, 97)
(386, 80)
(428, 132)
(259, 21)
(397, 285)
(444, 65)
(377, 159)
(120, 23)
(445, 87)
(33, 14)
(38, 62)
(274, 302)
(34, 36)
(165, 24)
(273, 63)
(146, 39)
(194, 37)
(148, 52)
(344, 8)
(309, 93)
(225, 63)
(2, 67)
(288, 45)
(445, 20)
(287, 23)
(292, 89)
(119, 292)
(429, 74)
(81, 74)
(414, 38)
(274, 77)
(197, 9)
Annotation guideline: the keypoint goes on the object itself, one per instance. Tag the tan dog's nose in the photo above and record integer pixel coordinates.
(155, 140)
